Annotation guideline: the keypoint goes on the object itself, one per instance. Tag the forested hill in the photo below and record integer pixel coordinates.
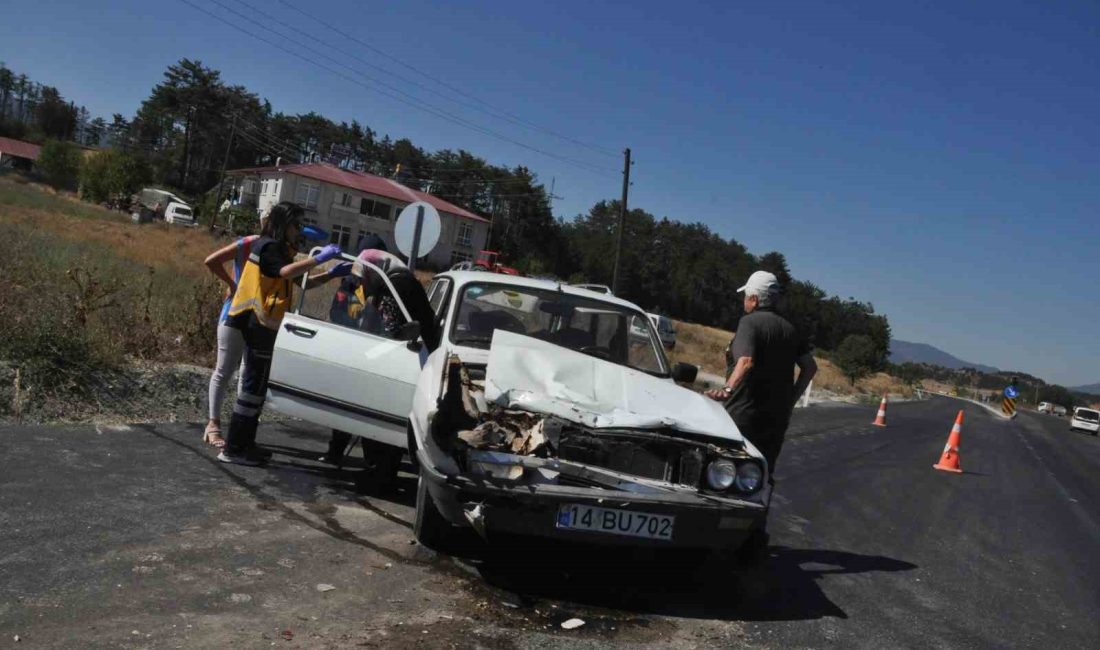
(177, 138)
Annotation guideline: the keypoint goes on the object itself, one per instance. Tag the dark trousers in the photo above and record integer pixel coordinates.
(338, 445)
(411, 293)
(766, 435)
(259, 344)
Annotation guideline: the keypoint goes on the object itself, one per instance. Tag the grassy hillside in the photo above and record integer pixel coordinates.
(705, 347)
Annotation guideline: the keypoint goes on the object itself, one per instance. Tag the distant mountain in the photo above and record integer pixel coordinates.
(902, 351)
(1091, 389)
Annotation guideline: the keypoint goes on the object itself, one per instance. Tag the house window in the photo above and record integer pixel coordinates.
(345, 200)
(249, 186)
(341, 235)
(459, 256)
(465, 234)
(376, 209)
(308, 221)
(307, 195)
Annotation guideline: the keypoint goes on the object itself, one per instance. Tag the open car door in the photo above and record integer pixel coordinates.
(337, 368)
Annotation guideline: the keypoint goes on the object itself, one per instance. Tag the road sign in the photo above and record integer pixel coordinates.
(417, 230)
(1011, 392)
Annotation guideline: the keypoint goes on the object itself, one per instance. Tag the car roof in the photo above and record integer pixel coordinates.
(462, 278)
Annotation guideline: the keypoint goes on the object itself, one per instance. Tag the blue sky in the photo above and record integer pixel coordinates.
(938, 159)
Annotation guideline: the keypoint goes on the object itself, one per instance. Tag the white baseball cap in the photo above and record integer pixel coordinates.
(761, 282)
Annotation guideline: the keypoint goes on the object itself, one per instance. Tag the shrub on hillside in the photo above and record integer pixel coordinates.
(112, 175)
(856, 356)
(59, 163)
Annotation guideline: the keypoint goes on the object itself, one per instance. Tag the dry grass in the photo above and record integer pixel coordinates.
(701, 346)
(159, 245)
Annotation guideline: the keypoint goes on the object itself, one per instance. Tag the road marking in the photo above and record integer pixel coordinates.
(1081, 514)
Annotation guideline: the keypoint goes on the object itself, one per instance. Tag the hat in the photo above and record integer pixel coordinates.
(761, 282)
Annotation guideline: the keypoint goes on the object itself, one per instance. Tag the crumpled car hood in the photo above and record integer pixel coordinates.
(529, 374)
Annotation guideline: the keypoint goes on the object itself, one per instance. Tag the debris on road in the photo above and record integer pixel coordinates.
(572, 624)
(325, 587)
(287, 635)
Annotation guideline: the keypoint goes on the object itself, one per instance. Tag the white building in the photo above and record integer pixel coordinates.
(350, 204)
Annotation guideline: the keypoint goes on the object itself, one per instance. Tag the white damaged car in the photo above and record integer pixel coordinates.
(542, 412)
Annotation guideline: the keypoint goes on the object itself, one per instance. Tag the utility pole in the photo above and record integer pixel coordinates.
(225, 163)
(622, 222)
(187, 146)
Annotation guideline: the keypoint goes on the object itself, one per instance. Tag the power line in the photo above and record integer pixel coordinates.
(498, 114)
(415, 104)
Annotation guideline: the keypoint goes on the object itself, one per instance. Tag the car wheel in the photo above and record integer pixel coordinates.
(381, 462)
(431, 529)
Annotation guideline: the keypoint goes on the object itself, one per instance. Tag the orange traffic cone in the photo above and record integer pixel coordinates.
(949, 461)
(880, 419)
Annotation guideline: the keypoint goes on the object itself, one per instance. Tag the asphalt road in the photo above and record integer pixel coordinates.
(136, 537)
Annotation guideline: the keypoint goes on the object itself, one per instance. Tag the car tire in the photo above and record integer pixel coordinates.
(381, 463)
(429, 526)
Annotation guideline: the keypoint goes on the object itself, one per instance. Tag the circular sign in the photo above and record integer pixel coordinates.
(1011, 392)
(405, 229)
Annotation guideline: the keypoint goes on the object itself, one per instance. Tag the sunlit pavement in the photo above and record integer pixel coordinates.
(136, 537)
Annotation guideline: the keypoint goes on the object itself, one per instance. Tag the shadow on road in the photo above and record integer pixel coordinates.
(785, 588)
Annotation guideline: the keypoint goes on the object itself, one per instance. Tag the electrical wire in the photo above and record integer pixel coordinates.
(498, 114)
(414, 104)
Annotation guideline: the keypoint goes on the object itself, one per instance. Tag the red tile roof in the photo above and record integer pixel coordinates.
(364, 182)
(19, 149)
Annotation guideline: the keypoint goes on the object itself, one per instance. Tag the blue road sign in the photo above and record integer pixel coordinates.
(1011, 392)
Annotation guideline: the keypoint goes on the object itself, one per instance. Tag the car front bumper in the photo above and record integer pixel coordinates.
(490, 507)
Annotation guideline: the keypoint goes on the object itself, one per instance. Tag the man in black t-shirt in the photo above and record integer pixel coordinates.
(759, 393)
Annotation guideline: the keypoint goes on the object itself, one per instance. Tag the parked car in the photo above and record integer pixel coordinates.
(539, 414)
(179, 213)
(1085, 420)
(598, 288)
(665, 330)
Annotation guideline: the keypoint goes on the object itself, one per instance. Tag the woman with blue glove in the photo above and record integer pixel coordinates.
(263, 295)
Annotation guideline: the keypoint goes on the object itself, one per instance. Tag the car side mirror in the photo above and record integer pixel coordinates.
(408, 332)
(685, 373)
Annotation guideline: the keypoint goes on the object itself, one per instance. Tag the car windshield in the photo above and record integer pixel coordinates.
(1087, 415)
(183, 211)
(604, 330)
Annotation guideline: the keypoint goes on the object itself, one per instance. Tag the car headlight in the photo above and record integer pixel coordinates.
(721, 474)
(750, 477)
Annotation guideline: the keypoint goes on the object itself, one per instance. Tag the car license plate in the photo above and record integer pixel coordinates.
(615, 521)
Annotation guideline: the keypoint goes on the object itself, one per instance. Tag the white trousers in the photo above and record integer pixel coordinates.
(230, 353)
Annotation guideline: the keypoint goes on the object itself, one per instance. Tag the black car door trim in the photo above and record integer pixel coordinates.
(339, 404)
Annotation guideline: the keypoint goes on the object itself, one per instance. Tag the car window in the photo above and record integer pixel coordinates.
(438, 295)
(601, 329)
(1087, 415)
(343, 302)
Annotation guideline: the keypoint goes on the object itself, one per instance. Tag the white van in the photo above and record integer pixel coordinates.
(1085, 420)
(1046, 407)
(179, 214)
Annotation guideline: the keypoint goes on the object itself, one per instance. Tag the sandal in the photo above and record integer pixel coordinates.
(213, 436)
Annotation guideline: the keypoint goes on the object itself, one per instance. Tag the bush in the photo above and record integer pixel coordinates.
(59, 163)
(856, 356)
(240, 220)
(111, 176)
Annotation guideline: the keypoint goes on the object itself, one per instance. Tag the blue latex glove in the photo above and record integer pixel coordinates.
(340, 270)
(327, 253)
